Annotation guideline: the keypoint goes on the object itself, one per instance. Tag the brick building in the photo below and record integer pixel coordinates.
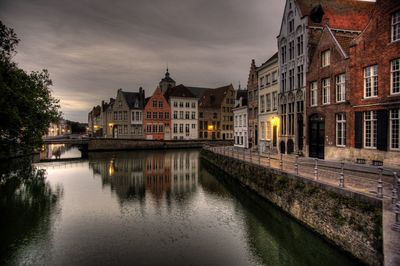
(157, 117)
(252, 89)
(375, 87)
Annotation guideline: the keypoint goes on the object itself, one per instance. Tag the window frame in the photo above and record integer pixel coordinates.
(340, 85)
(326, 91)
(341, 120)
(391, 76)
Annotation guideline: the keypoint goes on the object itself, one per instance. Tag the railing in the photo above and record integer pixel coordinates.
(381, 184)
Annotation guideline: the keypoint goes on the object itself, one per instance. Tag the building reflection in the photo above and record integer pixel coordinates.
(159, 174)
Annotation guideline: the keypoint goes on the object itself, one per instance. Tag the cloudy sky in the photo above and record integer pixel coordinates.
(93, 47)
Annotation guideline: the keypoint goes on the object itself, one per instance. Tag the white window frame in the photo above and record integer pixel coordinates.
(313, 93)
(395, 26)
(340, 88)
(326, 84)
(395, 76)
(341, 128)
(371, 81)
(326, 58)
(394, 129)
(370, 130)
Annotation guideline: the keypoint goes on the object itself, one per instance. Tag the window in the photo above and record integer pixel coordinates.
(396, 26)
(193, 115)
(395, 129)
(340, 88)
(187, 115)
(326, 58)
(274, 101)
(193, 126)
(262, 104)
(193, 105)
(395, 76)
(268, 130)
(187, 104)
(267, 79)
(125, 129)
(160, 104)
(291, 79)
(125, 115)
(120, 115)
(291, 50)
(175, 104)
(187, 128)
(299, 45)
(160, 128)
(180, 104)
(154, 103)
(175, 114)
(262, 82)
(326, 91)
(370, 129)
(155, 128)
(154, 115)
(262, 130)
(180, 128)
(166, 115)
(371, 81)
(268, 99)
(300, 76)
(160, 115)
(283, 54)
(291, 22)
(283, 82)
(115, 116)
(274, 76)
(341, 130)
(148, 115)
(180, 114)
(148, 128)
(175, 128)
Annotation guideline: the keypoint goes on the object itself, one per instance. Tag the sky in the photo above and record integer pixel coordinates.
(94, 47)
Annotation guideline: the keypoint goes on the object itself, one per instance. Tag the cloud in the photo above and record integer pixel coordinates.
(92, 47)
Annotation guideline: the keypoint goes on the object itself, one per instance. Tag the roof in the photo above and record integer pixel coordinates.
(197, 91)
(135, 100)
(167, 77)
(212, 98)
(338, 14)
(241, 93)
(273, 59)
(178, 91)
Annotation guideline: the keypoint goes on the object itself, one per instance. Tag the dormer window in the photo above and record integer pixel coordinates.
(396, 26)
(326, 58)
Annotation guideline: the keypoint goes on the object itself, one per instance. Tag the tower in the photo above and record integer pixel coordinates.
(166, 82)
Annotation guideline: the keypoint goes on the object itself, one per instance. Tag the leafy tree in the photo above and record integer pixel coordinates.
(27, 106)
(76, 127)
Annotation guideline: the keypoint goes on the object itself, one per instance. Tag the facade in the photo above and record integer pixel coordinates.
(59, 128)
(157, 117)
(215, 113)
(127, 115)
(241, 121)
(252, 88)
(375, 88)
(184, 113)
(268, 120)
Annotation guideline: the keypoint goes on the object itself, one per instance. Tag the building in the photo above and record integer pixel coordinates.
(241, 121)
(252, 89)
(166, 82)
(184, 112)
(215, 112)
(59, 128)
(375, 88)
(268, 119)
(157, 117)
(95, 122)
(127, 115)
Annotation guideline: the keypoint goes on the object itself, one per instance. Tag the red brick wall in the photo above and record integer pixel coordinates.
(157, 96)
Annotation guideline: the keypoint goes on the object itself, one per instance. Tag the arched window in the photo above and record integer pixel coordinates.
(291, 22)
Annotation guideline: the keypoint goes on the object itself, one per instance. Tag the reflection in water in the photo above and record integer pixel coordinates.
(160, 208)
(26, 204)
(59, 151)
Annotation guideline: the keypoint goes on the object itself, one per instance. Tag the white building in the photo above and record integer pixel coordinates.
(292, 52)
(184, 113)
(241, 120)
(268, 119)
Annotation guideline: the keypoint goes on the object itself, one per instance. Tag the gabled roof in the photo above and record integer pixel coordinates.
(212, 98)
(178, 91)
(273, 59)
(197, 91)
(339, 14)
(135, 100)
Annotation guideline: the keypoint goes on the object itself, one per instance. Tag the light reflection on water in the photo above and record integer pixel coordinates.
(163, 208)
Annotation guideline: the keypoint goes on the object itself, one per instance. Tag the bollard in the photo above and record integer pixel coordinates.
(380, 186)
(316, 169)
(395, 185)
(281, 162)
(259, 158)
(341, 178)
(269, 158)
(250, 155)
(296, 165)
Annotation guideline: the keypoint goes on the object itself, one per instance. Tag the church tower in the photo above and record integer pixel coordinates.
(166, 82)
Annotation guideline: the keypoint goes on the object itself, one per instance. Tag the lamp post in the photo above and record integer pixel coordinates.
(316, 169)
(341, 177)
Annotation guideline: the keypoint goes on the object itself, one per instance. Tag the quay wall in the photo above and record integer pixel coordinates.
(131, 144)
(351, 221)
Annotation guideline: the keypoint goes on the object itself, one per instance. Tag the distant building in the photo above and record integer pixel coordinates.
(268, 119)
(127, 115)
(58, 128)
(241, 122)
(252, 88)
(215, 112)
(184, 112)
(157, 117)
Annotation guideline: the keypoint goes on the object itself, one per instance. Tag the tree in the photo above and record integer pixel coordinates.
(26, 104)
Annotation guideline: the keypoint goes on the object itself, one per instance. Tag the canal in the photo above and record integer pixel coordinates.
(145, 208)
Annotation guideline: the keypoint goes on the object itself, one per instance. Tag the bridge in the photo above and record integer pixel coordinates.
(81, 143)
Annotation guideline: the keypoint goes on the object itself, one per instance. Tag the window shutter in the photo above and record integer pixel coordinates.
(358, 130)
(382, 130)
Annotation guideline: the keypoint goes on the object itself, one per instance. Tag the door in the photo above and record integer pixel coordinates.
(300, 133)
(317, 136)
(274, 135)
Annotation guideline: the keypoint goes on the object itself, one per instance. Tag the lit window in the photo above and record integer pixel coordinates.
(395, 129)
(326, 58)
(340, 130)
(340, 88)
(370, 129)
(396, 26)
(371, 81)
(395, 76)
(326, 91)
(314, 94)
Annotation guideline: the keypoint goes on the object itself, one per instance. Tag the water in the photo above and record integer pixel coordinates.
(151, 208)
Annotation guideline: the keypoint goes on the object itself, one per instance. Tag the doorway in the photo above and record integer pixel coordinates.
(317, 136)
